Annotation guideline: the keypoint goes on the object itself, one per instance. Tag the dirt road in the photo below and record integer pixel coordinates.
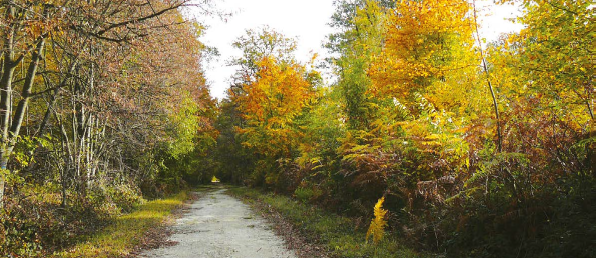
(220, 226)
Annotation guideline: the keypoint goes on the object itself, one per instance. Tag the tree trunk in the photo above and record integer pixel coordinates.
(53, 99)
(8, 68)
(490, 86)
(19, 113)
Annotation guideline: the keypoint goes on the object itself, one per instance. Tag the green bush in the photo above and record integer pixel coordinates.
(307, 194)
(125, 197)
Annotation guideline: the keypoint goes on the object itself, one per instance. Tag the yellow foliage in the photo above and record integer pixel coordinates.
(378, 224)
(428, 44)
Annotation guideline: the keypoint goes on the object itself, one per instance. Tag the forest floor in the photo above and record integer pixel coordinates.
(218, 225)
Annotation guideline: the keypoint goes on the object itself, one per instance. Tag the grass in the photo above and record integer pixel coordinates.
(127, 231)
(336, 233)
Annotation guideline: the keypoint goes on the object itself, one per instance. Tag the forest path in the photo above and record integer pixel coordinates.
(218, 225)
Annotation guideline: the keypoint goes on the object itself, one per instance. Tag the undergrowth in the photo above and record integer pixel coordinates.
(126, 232)
(339, 235)
(34, 222)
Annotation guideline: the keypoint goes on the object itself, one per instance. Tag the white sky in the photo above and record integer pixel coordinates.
(306, 20)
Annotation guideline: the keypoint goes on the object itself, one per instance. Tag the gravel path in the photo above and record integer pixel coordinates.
(220, 226)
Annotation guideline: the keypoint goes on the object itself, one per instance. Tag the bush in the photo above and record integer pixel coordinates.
(125, 197)
(307, 194)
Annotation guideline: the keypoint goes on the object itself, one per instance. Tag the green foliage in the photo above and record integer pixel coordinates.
(257, 44)
(307, 194)
(362, 25)
(184, 129)
(34, 224)
(234, 161)
(123, 196)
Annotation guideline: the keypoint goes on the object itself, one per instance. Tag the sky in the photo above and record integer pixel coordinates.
(305, 20)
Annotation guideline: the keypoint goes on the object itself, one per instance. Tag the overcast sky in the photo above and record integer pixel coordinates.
(306, 20)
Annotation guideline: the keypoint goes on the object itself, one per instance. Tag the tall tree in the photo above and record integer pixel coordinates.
(76, 30)
(362, 26)
(271, 90)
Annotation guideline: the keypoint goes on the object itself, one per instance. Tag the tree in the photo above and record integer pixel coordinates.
(272, 103)
(27, 25)
(270, 92)
(552, 55)
(361, 37)
(102, 101)
(427, 41)
(77, 32)
(255, 46)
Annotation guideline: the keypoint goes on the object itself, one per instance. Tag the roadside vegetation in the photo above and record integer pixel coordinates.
(339, 235)
(126, 233)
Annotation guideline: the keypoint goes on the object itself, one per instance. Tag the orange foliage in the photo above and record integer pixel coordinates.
(272, 102)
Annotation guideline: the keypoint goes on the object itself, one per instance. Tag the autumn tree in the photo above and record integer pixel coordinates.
(427, 42)
(362, 26)
(274, 90)
(99, 97)
(550, 61)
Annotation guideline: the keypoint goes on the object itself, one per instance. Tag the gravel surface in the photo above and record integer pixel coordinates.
(220, 226)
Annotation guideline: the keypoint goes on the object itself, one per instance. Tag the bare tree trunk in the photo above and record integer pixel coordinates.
(19, 113)
(67, 158)
(8, 68)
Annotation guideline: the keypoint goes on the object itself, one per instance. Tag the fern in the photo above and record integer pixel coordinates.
(378, 224)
